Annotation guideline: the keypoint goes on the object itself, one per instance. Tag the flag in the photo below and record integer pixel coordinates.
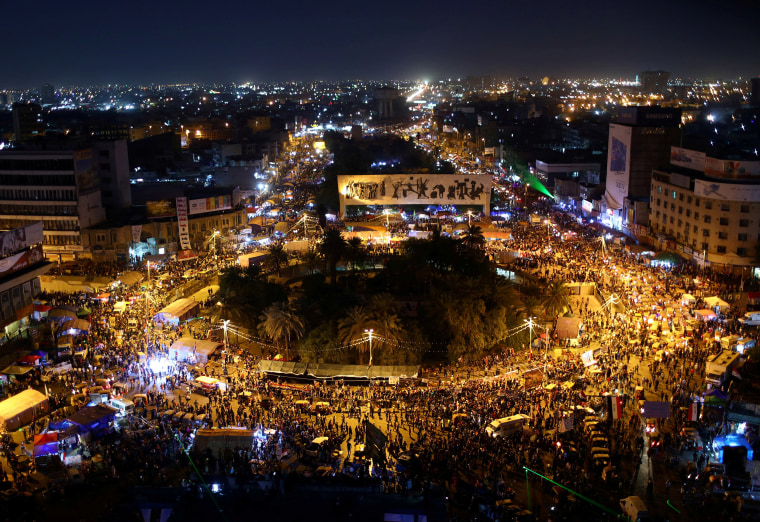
(736, 374)
(615, 407)
(694, 410)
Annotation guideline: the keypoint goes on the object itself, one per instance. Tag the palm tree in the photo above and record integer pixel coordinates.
(281, 325)
(311, 259)
(355, 252)
(333, 248)
(557, 299)
(473, 237)
(276, 258)
(351, 327)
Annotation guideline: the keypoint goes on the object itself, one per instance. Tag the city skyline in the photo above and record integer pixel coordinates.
(174, 42)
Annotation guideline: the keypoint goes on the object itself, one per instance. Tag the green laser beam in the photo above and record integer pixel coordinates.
(592, 502)
(672, 507)
(200, 477)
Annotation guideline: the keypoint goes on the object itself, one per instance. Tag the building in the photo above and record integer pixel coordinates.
(28, 122)
(110, 163)
(638, 143)
(21, 264)
(654, 82)
(754, 99)
(47, 94)
(58, 188)
(707, 209)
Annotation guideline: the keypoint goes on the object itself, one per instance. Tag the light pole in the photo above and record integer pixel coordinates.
(529, 322)
(148, 263)
(369, 332)
(469, 218)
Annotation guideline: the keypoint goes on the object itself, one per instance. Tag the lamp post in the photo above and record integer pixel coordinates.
(369, 332)
(469, 218)
(529, 322)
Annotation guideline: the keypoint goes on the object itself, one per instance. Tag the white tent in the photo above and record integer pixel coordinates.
(688, 299)
(187, 347)
(22, 409)
(716, 302)
(179, 310)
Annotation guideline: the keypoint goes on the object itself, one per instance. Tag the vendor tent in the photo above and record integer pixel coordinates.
(716, 302)
(61, 314)
(46, 444)
(74, 326)
(130, 278)
(688, 299)
(185, 347)
(94, 420)
(332, 371)
(178, 311)
(704, 315)
(17, 370)
(22, 408)
(222, 440)
(568, 327)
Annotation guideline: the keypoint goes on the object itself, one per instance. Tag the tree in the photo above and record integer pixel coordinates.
(557, 298)
(281, 325)
(355, 254)
(276, 258)
(311, 259)
(351, 327)
(473, 237)
(333, 248)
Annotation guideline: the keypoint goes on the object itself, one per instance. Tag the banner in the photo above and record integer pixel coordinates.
(136, 231)
(20, 261)
(618, 166)
(161, 208)
(690, 159)
(565, 424)
(727, 191)
(13, 241)
(415, 189)
(615, 407)
(184, 228)
(533, 378)
(199, 206)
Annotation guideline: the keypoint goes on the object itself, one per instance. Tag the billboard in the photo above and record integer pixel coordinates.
(84, 171)
(184, 228)
(415, 189)
(618, 165)
(690, 159)
(161, 208)
(20, 238)
(20, 261)
(731, 168)
(727, 191)
(199, 206)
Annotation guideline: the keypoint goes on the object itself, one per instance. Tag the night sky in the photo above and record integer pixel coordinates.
(169, 41)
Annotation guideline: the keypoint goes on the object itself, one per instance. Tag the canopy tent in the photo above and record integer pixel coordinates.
(716, 302)
(688, 299)
(46, 444)
(497, 233)
(83, 312)
(183, 348)
(17, 370)
(74, 326)
(705, 315)
(282, 227)
(23, 408)
(130, 278)
(568, 327)
(120, 306)
(178, 311)
(221, 440)
(61, 314)
(94, 420)
(330, 371)
(30, 359)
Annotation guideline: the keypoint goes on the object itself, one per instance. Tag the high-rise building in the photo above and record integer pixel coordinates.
(654, 82)
(27, 121)
(639, 142)
(706, 208)
(47, 94)
(59, 188)
(110, 162)
(754, 99)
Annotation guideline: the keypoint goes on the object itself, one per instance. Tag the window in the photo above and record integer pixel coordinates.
(657, 214)
(741, 252)
(706, 232)
(688, 212)
(658, 202)
(722, 235)
(721, 249)
(659, 189)
(680, 210)
(725, 207)
(742, 237)
(674, 194)
(100, 238)
(671, 220)
(707, 218)
(724, 221)
(695, 229)
(696, 215)
(696, 201)
(673, 207)
(744, 222)
(688, 200)
(708, 205)
(744, 209)
(705, 246)
(680, 223)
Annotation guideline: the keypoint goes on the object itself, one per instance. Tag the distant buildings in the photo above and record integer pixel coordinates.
(28, 122)
(47, 94)
(654, 82)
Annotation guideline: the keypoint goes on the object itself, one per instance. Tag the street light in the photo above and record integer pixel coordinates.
(529, 322)
(469, 218)
(369, 332)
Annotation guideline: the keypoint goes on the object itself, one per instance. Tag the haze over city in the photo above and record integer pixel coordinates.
(181, 42)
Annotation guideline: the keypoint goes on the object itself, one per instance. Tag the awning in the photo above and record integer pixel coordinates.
(62, 313)
(130, 278)
(76, 324)
(179, 310)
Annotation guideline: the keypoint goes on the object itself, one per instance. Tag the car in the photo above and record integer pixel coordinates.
(692, 438)
(651, 426)
(316, 445)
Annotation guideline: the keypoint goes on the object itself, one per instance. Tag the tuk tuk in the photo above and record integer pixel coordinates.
(303, 406)
(323, 407)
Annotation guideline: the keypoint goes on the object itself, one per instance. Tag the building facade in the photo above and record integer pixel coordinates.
(707, 209)
(59, 189)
